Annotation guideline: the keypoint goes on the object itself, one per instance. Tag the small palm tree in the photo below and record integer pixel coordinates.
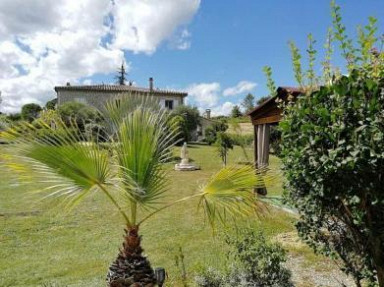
(129, 171)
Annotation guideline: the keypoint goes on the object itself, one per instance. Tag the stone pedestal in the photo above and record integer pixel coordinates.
(186, 167)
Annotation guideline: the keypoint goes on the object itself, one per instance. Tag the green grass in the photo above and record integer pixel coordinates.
(40, 245)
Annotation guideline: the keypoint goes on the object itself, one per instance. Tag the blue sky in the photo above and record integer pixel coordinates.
(211, 46)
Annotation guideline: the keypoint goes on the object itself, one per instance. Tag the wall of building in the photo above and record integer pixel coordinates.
(98, 99)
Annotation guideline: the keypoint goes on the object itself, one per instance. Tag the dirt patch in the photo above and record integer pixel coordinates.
(309, 269)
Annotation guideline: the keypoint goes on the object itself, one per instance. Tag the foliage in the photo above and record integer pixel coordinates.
(236, 113)
(81, 113)
(296, 61)
(333, 155)
(253, 260)
(223, 143)
(311, 75)
(14, 117)
(51, 105)
(180, 265)
(248, 102)
(4, 122)
(49, 115)
(270, 83)
(275, 140)
(190, 122)
(332, 149)
(220, 125)
(30, 112)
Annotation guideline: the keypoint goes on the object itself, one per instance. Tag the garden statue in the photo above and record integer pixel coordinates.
(184, 165)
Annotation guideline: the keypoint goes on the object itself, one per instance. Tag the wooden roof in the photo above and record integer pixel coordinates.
(269, 112)
(117, 88)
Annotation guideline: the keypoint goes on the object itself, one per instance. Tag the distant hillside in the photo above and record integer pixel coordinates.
(245, 128)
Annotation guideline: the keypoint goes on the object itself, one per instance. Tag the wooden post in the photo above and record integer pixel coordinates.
(261, 139)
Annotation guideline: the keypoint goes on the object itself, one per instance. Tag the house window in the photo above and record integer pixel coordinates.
(169, 104)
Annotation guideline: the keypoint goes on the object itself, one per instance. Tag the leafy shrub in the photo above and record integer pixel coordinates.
(223, 143)
(188, 120)
(30, 112)
(211, 132)
(81, 113)
(211, 277)
(333, 154)
(254, 261)
(275, 140)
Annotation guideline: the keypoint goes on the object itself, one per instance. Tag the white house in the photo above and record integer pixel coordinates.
(98, 95)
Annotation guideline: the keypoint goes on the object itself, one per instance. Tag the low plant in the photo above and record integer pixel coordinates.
(252, 261)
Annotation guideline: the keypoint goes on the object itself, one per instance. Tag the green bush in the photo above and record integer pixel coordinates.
(78, 112)
(30, 112)
(253, 261)
(220, 125)
(188, 119)
(333, 155)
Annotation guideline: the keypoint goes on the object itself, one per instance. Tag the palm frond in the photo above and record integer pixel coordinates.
(57, 157)
(230, 194)
(145, 141)
(118, 108)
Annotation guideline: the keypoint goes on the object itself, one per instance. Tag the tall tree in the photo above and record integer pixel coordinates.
(121, 76)
(248, 102)
(30, 112)
(51, 105)
(133, 179)
(236, 113)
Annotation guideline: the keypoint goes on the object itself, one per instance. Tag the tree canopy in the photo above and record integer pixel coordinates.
(248, 102)
(30, 112)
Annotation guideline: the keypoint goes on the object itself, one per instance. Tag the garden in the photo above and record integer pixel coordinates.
(99, 202)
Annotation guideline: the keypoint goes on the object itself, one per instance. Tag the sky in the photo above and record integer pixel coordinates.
(214, 50)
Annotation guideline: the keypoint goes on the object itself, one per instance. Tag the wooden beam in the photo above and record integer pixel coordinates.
(267, 120)
(255, 139)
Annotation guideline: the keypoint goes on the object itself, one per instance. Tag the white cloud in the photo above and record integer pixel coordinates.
(204, 95)
(223, 109)
(207, 95)
(241, 87)
(43, 45)
(141, 26)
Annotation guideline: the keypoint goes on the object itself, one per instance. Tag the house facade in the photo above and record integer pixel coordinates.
(98, 95)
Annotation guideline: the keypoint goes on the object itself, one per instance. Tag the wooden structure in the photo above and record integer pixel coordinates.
(262, 117)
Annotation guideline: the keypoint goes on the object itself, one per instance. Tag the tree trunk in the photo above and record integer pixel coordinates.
(131, 268)
(380, 275)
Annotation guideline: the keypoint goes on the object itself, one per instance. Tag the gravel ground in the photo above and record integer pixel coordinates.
(310, 273)
(304, 275)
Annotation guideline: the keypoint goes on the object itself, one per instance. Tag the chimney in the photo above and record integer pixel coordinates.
(150, 84)
(208, 113)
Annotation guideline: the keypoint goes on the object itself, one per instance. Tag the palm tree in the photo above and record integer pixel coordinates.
(129, 172)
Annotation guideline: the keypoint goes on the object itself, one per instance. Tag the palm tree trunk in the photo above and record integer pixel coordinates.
(131, 268)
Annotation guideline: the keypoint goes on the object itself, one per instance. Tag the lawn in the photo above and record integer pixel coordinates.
(40, 246)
